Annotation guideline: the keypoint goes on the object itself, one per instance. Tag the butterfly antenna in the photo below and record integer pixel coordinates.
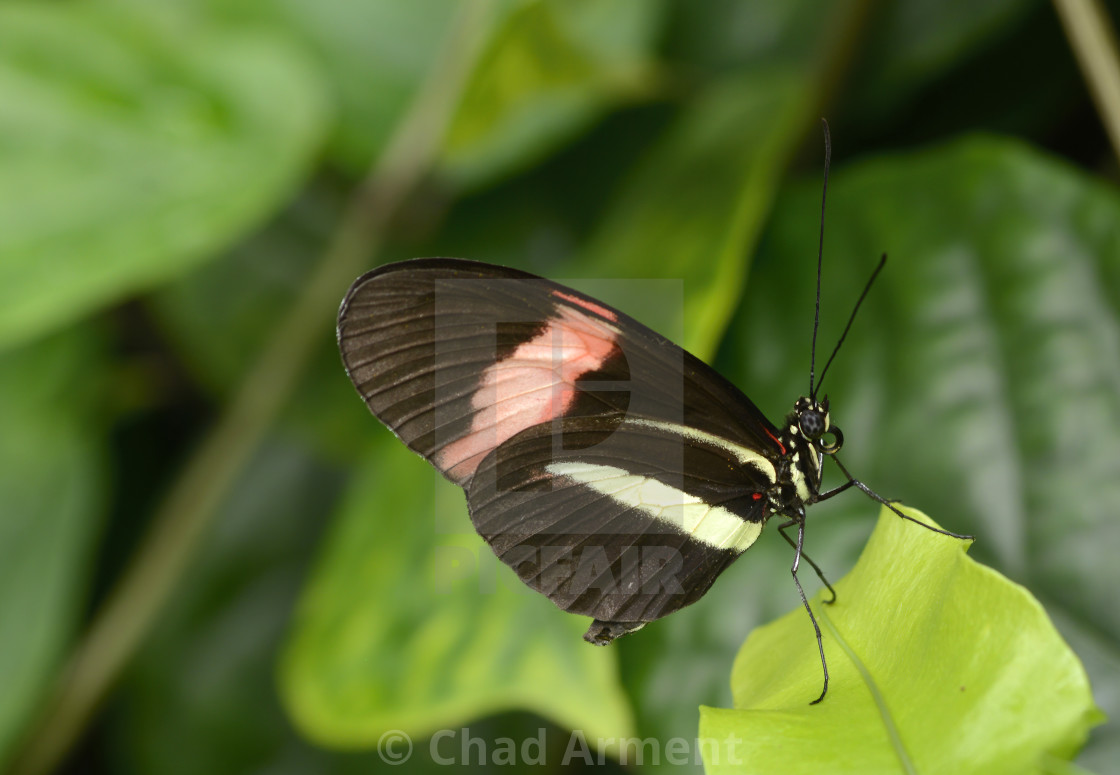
(820, 257)
(862, 296)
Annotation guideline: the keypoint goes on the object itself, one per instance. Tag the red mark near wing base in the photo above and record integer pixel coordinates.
(776, 441)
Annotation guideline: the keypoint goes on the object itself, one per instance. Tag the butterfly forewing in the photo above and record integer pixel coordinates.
(457, 356)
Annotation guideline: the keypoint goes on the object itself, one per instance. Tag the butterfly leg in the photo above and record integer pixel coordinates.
(845, 486)
(877, 497)
(834, 491)
(808, 559)
(800, 522)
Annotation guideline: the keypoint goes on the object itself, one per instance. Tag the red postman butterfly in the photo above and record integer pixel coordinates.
(616, 473)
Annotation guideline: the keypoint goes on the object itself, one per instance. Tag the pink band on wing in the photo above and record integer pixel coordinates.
(533, 385)
(588, 305)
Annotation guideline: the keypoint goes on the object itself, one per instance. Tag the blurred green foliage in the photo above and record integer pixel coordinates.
(171, 174)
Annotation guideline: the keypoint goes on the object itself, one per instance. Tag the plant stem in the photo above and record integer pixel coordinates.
(1094, 44)
(184, 516)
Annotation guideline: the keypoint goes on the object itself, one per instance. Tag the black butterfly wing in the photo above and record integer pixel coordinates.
(622, 519)
(457, 357)
(615, 472)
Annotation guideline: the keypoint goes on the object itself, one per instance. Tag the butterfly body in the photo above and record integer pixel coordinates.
(615, 473)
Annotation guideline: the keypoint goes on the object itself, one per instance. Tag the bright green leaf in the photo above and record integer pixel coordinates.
(52, 490)
(132, 149)
(937, 664)
(410, 623)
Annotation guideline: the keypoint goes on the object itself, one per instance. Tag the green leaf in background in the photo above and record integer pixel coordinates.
(982, 378)
(132, 148)
(201, 695)
(218, 317)
(373, 53)
(208, 670)
(52, 478)
(377, 54)
(410, 623)
(695, 208)
(548, 72)
(912, 43)
(721, 35)
(937, 664)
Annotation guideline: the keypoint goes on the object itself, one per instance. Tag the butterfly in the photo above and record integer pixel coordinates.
(616, 473)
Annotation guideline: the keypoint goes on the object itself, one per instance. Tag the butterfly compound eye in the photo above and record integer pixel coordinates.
(812, 424)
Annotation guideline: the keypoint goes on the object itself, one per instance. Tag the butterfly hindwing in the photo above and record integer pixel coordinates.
(621, 519)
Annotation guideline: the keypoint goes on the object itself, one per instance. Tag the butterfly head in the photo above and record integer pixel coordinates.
(813, 423)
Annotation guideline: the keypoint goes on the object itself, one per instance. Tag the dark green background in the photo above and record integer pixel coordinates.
(171, 175)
